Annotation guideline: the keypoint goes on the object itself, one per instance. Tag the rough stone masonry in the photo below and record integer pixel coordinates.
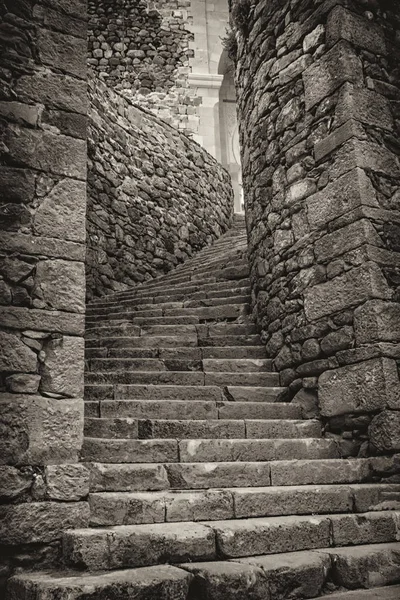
(318, 87)
(42, 277)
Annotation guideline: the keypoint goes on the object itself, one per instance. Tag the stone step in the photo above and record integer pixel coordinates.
(238, 296)
(245, 365)
(148, 583)
(221, 341)
(188, 353)
(303, 574)
(107, 331)
(172, 315)
(239, 365)
(153, 392)
(189, 476)
(138, 545)
(160, 341)
(145, 545)
(205, 450)
(184, 378)
(165, 289)
(135, 508)
(193, 409)
(128, 428)
(133, 318)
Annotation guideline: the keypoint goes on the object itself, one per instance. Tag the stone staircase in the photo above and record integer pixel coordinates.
(204, 484)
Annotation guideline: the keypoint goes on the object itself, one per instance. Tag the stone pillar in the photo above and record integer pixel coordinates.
(42, 277)
(207, 88)
(319, 105)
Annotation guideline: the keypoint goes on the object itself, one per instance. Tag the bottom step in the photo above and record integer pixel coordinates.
(276, 577)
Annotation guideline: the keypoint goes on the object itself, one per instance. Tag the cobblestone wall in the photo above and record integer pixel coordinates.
(318, 86)
(155, 196)
(42, 278)
(141, 48)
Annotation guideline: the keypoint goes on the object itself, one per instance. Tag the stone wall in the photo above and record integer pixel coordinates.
(141, 48)
(155, 196)
(42, 278)
(319, 107)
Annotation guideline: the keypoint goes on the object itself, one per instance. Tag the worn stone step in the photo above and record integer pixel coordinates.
(235, 352)
(104, 331)
(147, 583)
(256, 449)
(129, 428)
(189, 476)
(125, 364)
(192, 378)
(138, 545)
(238, 365)
(132, 317)
(149, 377)
(237, 393)
(241, 379)
(151, 304)
(167, 288)
(221, 341)
(192, 409)
(303, 574)
(187, 353)
(145, 341)
(155, 392)
(125, 450)
(159, 409)
(144, 545)
(224, 311)
(270, 535)
(135, 508)
(384, 593)
(205, 450)
(226, 329)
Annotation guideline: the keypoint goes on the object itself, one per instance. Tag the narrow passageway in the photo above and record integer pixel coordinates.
(204, 483)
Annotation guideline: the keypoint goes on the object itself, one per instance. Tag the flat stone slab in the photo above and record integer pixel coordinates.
(163, 581)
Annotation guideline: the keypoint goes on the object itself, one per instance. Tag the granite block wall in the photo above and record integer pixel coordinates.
(318, 87)
(155, 196)
(42, 277)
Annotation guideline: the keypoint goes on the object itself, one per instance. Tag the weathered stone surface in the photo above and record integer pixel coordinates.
(342, 240)
(62, 371)
(35, 522)
(308, 401)
(366, 566)
(23, 383)
(14, 482)
(53, 89)
(67, 482)
(339, 136)
(337, 66)
(161, 581)
(372, 527)
(250, 537)
(364, 387)
(384, 431)
(43, 320)
(297, 573)
(51, 247)
(346, 25)
(351, 190)
(363, 105)
(61, 284)
(58, 154)
(40, 430)
(367, 155)
(62, 51)
(139, 545)
(17, 185)
(62, 213)
(15, 355)
(348, 290)
(377, 320)
(221, 580)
